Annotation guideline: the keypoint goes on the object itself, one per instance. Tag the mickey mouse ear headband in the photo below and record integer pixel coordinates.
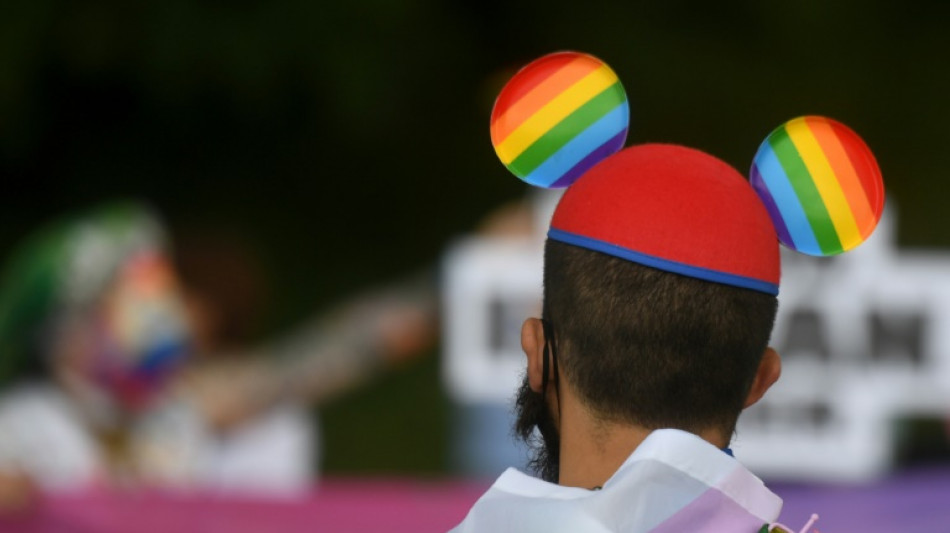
(562, 121)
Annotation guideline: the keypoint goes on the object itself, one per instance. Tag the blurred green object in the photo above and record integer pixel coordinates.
(922, 440)
(403, 405)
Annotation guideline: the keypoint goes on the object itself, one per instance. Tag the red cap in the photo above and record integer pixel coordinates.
(675, 209)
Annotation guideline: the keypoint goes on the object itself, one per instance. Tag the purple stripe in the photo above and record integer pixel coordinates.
(759, 185)
(711, 511)
(615, 143)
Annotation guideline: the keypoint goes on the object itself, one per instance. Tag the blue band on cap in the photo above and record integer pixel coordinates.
(663, 264)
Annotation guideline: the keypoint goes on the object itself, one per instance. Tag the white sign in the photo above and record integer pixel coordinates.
(864, 339)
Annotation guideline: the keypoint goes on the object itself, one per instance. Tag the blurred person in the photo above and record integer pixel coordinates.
(653, 337)
(259, 395)
(91, 329)
(95, 342)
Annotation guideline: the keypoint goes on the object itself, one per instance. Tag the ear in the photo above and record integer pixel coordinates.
(770, 368)
(532, 342)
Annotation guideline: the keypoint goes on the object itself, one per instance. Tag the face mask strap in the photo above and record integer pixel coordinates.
(550, 352)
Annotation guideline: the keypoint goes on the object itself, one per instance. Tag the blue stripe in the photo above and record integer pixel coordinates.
(663, 264)
(789, 206)
(582, 144)
(161, 354)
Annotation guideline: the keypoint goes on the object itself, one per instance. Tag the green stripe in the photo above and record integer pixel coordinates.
(568, 128)
(806, 191)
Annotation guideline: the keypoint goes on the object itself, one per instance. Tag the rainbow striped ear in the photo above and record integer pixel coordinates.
(558, 117)
(820, 184)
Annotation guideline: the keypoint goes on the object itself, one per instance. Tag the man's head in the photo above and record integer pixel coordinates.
(661, 270)
(645, 347)
(652, 348)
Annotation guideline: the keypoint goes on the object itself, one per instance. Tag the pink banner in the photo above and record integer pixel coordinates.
(910, 501)
(344, 506)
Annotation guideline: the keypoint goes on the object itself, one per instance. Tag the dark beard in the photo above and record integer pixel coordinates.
(533, 412)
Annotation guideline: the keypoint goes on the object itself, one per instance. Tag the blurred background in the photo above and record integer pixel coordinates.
(330, 147)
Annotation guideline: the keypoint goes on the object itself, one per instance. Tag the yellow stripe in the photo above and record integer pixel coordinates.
(825, 180)
(554, 112)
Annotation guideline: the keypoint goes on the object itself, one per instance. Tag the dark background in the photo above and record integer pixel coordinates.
(345, 143)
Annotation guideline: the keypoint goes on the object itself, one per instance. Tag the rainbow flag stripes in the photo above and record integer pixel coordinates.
(820, 184)
(558, 117)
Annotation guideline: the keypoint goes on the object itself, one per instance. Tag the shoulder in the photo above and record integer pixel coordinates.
(517, 502)
(35, 405)
(44, 437)
(674, 480)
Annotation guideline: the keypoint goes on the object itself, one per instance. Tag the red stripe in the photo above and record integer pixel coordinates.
(865, 166)
(514, 92)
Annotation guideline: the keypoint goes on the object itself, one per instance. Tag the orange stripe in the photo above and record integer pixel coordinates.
(864, 164)
(539, 97)
(847, 177)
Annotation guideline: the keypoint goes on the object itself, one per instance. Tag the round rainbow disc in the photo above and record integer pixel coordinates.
(821, 185)
(558, 117)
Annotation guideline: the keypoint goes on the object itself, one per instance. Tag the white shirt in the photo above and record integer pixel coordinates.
(674, 482)
(42, 435)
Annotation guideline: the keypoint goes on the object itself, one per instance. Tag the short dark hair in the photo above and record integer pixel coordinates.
(650, 347)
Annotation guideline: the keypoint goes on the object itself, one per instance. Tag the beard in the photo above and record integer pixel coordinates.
(532, 412)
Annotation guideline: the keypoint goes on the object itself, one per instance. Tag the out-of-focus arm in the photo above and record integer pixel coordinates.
(328, 355)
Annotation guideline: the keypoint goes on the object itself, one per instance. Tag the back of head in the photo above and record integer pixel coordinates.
(661, 270)
(653, 348)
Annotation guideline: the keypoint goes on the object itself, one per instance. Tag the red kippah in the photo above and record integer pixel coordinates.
(675, 209)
